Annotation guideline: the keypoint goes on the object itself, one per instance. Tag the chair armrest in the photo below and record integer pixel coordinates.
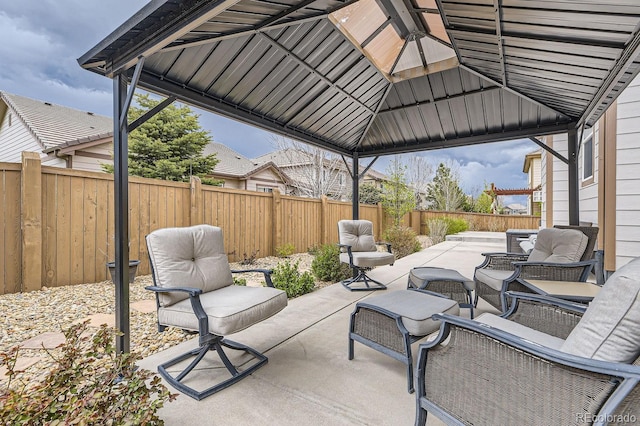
(546, 314)
(502, 261)
(348, 248)
(575, 271)
(267, 274)
(500, 377)
(191, 290)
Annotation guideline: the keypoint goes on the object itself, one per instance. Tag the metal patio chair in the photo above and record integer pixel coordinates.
(195, 292)
(360, 250)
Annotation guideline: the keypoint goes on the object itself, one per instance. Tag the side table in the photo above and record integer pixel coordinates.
(447, 282)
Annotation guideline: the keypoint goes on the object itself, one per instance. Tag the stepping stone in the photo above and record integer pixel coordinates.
(49, 340)
(22, 363)
(96, 320)
(145, 306)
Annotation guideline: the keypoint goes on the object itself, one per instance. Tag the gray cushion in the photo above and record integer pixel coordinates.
(369, 259)
(521, 331)
(492, 277)
(188, 257)
(230, 309)
(610, 328)
(358, 234)
(416, 309)
(558, 246)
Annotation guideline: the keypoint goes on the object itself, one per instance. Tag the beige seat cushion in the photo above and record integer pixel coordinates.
(492, 277)
(520, 330)
(188, 257)
(558, 246)
(230, 309)
(358, 234)
(369, 259)
(610, 328)
(415, 308)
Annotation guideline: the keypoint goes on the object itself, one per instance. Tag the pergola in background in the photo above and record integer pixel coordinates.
(366, 78)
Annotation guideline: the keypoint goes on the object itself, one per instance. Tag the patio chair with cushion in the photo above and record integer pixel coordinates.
(559, 254)
(195, 292)
(546, 361)
(359, 249)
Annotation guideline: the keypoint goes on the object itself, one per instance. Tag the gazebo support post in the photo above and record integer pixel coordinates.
(355, 193)
(121, 211)
(573, 181)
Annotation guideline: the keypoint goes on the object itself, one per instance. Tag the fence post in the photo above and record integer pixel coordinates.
(277, 220)
(196, 201)
(31, 221)
(324, 217)
(380, 226)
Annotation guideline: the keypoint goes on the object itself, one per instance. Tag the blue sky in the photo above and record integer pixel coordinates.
(42, 40)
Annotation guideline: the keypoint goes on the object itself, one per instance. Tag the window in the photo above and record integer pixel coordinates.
(263, 188)
(587, 158)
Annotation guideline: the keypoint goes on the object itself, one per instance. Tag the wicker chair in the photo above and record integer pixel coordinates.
(499, 271)
(546, 361)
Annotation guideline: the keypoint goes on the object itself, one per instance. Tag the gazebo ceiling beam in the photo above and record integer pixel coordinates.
(313, 71)
(440, 100)
(430, 145)
(547, 148)
(497, 4)
(220, 106)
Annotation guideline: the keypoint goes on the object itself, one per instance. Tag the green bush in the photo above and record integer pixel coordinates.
(89, 383)
(326, 265)
(287, 277)
(403, 240)
(437, 230)
(455, 225)
(285, 250)
(240, 281)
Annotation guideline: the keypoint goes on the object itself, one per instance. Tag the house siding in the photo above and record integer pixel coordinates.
(628, 175)
(15, 139)
(81, 162)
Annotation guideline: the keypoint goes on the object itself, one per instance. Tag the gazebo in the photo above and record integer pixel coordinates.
(365, 78)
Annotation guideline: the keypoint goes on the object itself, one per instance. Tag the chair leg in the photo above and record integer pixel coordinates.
(215, 345)
(362, 277)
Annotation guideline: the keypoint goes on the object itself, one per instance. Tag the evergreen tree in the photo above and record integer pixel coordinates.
(444, 192)
(397, 198)
(169, 145)
(369, 194)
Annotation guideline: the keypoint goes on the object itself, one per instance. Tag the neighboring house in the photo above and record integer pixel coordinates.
(515, 209)
(64, 137)
(312, 173)
(315, 173)
(239, 172)
(609, 200)
(532, 167)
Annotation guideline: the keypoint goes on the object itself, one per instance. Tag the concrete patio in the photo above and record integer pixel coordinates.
(309, 379)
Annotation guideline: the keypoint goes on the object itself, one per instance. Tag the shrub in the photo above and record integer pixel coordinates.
(403, 240)
(314, 249)
(437, 230)
(455, 225)
(285, 250)
(326, 265)
(89, 383)
(287, 277)
(240, 281)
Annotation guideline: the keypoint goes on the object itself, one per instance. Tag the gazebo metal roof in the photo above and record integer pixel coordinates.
(384, 76)
(370, 77)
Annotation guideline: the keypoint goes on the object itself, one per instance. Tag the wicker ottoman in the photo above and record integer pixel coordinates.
(391, 322)
(447, 282)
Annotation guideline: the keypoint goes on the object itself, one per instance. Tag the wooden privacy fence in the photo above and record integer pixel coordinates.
(57, 225)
